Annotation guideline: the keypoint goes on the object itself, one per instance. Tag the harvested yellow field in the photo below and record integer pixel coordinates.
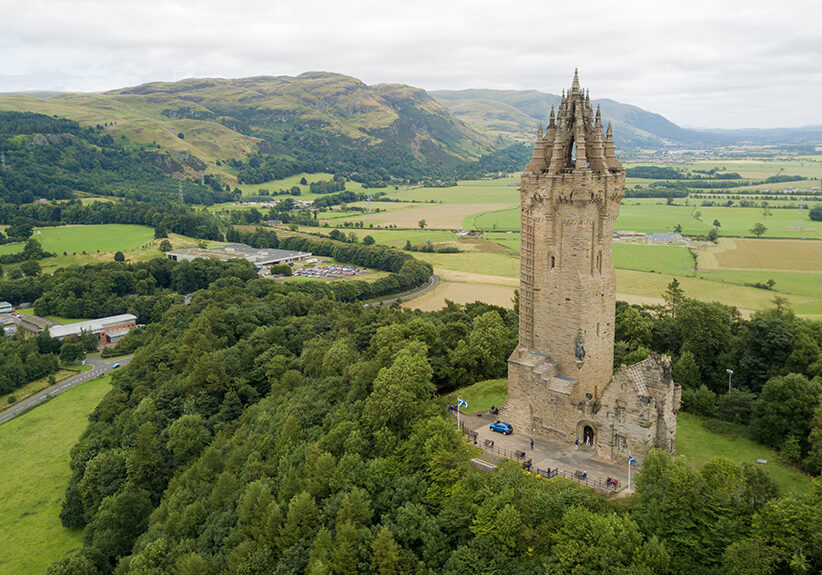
(443, 217)
(472, 278)
(463, 293)
(794, 255)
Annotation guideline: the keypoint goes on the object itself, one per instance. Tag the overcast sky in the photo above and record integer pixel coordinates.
(715, 63)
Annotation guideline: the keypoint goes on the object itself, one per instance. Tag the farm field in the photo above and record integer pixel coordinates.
(448, 216)
(38, 444)
(649, 217)
(487, 268)
(291, 181)
(89, 239)
(463, 293)
(783, 255)
(136, 242)
(497, 191)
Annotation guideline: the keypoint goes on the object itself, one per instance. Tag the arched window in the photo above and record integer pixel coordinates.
(553, 262)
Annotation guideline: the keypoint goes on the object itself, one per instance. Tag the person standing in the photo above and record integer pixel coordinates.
(532, 444)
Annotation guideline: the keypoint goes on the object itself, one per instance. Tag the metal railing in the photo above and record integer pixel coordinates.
(610, 484)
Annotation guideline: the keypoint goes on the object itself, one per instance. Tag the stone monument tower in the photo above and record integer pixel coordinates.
(570, 193)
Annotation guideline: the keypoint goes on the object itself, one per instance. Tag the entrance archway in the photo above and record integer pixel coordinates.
(588, 436)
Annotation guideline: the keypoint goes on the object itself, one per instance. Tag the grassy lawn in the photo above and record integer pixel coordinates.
(35, 447)
(141, 250)
(699, 445)
(89, 239)
(32, 387)
(480, 396)
(475, 262)
(743, 297)
(498, 191)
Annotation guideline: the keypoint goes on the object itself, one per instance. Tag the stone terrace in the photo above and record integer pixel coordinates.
(548, 453)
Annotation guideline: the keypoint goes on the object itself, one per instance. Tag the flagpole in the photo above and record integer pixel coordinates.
(459, 400)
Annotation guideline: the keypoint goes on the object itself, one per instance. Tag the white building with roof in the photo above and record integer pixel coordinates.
(110, 329)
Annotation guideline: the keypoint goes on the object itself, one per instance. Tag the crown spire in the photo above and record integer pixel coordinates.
(575, 84)
(551, 118)
(598, 117)
(539, 132)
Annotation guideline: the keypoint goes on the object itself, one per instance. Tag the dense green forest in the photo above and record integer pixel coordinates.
(52, 158)
(146, 290)
(270, 428)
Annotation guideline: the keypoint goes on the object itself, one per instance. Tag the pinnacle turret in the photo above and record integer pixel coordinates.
(573, 140)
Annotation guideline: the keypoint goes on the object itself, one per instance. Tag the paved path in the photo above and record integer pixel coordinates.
(432, 282)
(100, 367)
(548, 453)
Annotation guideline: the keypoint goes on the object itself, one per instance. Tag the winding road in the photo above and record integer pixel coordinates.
(432, 282)
(100, 367)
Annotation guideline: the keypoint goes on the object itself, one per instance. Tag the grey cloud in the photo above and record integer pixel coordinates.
(719, 63)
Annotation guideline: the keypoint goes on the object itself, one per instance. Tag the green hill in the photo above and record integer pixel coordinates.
(54, 158)
(262, 128)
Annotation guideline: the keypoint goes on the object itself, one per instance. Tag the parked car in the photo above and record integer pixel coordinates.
(502, 427)
(115, 366)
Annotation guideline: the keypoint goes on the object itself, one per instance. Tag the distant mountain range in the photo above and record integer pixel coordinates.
(250, 130)
(515, 114)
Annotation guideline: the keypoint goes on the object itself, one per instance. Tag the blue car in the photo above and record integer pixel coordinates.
(502, 427)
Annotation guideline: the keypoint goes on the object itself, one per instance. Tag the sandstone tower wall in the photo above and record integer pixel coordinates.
(570, 193)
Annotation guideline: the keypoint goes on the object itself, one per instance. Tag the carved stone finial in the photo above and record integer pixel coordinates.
(551, 122)
(575, 84)
(598, 117)
(539, 131)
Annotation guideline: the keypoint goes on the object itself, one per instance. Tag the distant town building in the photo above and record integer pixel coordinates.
(9, 323)
(5, 307)
(110, 329)
(629, 234)
(663, 238)
(261, 258)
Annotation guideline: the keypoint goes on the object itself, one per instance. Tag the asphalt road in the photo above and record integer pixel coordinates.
(432, 281)
(100, 367)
